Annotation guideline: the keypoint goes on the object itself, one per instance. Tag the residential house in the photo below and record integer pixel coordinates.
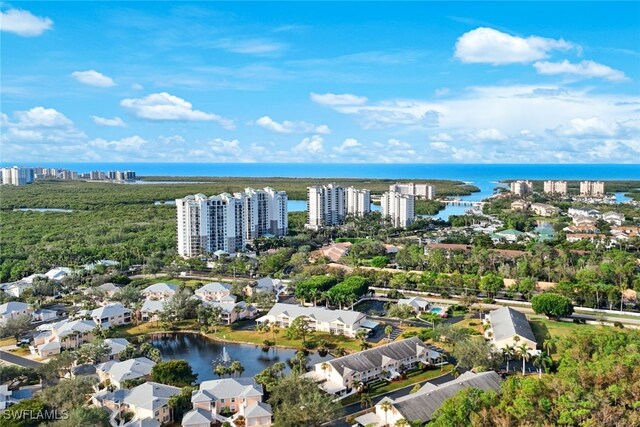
(509, 327)
(66, 334)
(118, 372)
(239, 396)
(232, 310)
(13, 309)
(116, 346)
(417, 303)
(584, 228)
(544, 209)
(509, 235)
(592, 237)
(151, 309)
(421, 405)
(160, 291)
(265, 285)
(214, 291)
(583, 220)
(108, 290)
(44, 315)
(625, 233)
(149, 403)
(58, 273)
(613, 218)
(114, 314)
(339, 376)
(519, 205)
(337, 250)
(593, 213)
(340, 322)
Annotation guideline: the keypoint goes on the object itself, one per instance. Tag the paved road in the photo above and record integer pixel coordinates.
(355, 407)
(18, 360)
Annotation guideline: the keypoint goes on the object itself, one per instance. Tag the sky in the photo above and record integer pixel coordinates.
(416, 82)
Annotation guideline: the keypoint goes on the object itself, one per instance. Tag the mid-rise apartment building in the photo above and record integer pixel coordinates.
(423, 191)
(591, 188)
(556, 187)
(398, 208)
(325, 206)
(17, 175)
(226, 223)
(358, 201)
(521, 187)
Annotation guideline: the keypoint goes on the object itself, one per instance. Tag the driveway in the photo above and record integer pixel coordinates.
(18, 360)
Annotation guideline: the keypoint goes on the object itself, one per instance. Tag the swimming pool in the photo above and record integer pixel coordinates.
(436, 310)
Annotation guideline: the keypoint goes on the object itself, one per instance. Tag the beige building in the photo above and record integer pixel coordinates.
(64, 335)
(519, 205)
(421, 191)
(592, 188)
(509, 327)
(338, 376)
(556, 187)
(398, 208)
(544, 209)
(521, 188)
(242, 397)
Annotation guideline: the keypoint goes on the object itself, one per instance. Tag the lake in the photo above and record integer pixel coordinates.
(204, 354)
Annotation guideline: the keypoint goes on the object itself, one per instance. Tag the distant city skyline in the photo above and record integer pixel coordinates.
(504, 82)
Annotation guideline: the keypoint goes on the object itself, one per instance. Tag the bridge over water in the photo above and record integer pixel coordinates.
(457, 202)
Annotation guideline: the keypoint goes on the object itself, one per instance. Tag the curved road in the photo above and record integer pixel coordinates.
(18, 360)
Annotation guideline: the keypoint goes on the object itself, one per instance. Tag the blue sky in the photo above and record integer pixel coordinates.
(501, 82)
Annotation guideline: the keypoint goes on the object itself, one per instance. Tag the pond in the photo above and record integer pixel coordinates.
(204, 354)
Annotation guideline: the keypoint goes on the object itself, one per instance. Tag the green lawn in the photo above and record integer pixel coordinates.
(544, 328)
(413, 378)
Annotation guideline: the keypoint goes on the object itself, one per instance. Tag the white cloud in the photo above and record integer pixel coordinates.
(39, 124)
(442, 91)
(291, 127)
(348, 145)
(137, 86)
(41, 117)
(311, 145)
(586, 69)
(486, 45)
(128, 144)
(23, 23)
(488, 135)
(164, 106)
(114, 122)
(93, 78)
(439, 145)
(250, 46)
(332, 99)
(593, 126)
(442, 136)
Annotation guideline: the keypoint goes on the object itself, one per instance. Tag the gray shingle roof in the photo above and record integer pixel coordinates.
(231, 387)
(150, 395)
(128, 369)
(12, 306)
(507, 322)
(422, 405)
(374, 357)
(196, 417)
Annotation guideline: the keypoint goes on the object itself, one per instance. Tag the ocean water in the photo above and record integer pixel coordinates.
(475, 173)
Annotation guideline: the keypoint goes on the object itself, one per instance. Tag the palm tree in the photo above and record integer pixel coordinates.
(236, 367)
(220, 370)
(388, 330)
(365, 401)
(401, 423)
(550, 344)
(275, 329)
(324, 366)
(508, 352)
(542, 362)
(362, 336)
(523, 351)
(386, 406)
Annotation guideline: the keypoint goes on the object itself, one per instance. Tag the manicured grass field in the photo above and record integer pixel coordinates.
(544, 328)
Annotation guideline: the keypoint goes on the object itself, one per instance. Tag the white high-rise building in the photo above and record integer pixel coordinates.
(325, 206)
(555, 187)
(226, 222)
(17, 175)
(423, 191)
(358, 201)
(592, 188)
(278, 212)
(521, 187)
(398, 208)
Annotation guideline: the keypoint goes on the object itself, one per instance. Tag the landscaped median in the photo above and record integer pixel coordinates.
(412, 378)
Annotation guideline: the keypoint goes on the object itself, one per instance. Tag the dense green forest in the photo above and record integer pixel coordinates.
(595, 382)
(119, 222)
